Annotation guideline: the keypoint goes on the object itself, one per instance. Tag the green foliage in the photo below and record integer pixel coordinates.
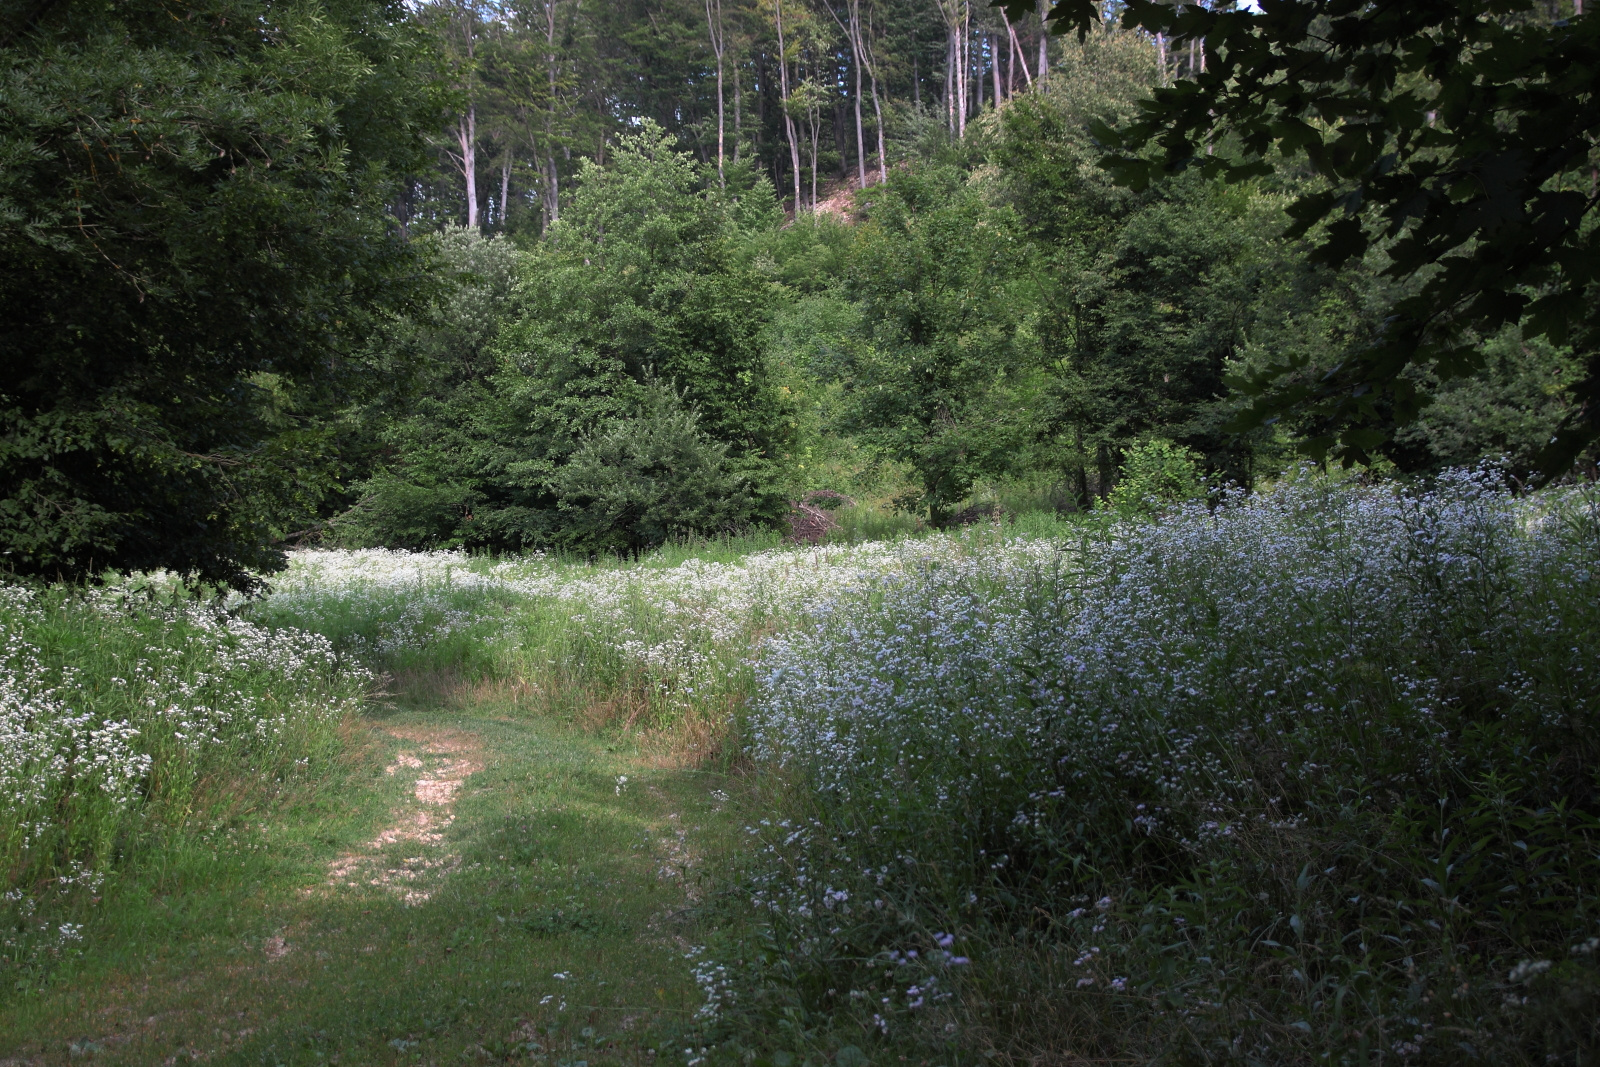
(549, 412)
(1144, 301)
(1154, 473)
(1512, 407)
(641, 480)
(941, 377)
(1458, 134)
(187, 205)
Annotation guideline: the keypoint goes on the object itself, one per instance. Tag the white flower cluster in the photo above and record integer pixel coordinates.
(688, 626)
(173, 684)
(383, 601)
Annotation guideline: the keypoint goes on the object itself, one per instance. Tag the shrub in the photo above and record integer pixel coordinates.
(642, 480)
(1155, 473)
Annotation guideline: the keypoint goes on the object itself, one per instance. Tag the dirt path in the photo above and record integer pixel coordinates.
(409, 856)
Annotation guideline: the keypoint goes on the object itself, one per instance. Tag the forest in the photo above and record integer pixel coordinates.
(799, 532)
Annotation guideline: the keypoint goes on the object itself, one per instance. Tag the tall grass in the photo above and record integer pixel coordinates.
(663, 642)
(1313, 777)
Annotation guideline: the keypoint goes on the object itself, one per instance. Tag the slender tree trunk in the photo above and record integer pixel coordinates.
(877, 116)
(552, 68)
(958, 57)
(877, 108)
(505, 188)
(467, 138)
(552, 192)
(949, 80)
(1044, 38)
(994, 59)
(464, 19)
(978, 77)
(738, 114)
(1011, 58)
(783, 90)
(963, 65)
(714, 28)
(1016, 51)
(814, 115)
(856, 55)
(1161, 57)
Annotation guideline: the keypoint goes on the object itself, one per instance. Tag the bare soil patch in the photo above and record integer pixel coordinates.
(409, 855)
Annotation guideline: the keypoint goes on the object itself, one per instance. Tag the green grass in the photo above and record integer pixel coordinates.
(558, 873)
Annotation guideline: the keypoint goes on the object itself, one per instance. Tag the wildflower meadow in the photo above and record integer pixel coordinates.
(122, 718)
(1306, 776)
(1300, 776)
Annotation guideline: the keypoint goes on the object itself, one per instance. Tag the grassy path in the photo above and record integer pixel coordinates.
(481, 888)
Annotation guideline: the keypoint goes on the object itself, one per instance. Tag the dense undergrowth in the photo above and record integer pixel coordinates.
(1307, 776)
(662, 643)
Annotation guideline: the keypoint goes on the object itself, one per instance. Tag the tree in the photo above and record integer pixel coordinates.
(941, 377)
(630, 350)
(193, 244)
(783, 85)
(1455, 136)
(719, 49)
(461, 26)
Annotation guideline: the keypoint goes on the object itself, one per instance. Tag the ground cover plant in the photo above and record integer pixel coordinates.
(1304, 776)
(1308, 776)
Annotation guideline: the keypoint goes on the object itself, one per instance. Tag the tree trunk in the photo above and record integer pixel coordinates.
(783, 90)
(552, 182)
(978, 77)
(738, 114)
(950, 81)
(467, 138)
(552, 192)
(1161, 58)
(877, 116)
(714, 28)
(814, 117)
(994, 59)
(1044, 38)
(856, 51)
(505, 188)
(963, 64)
(1016, 52)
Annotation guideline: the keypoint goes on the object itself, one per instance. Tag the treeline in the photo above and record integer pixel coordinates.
(555, 275)
(801, 91)
(997, 319)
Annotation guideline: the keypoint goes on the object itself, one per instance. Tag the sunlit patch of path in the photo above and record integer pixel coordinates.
(408, 856)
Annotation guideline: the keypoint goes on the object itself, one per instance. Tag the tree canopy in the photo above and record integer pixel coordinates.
(193, 242)
(1455, 138)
